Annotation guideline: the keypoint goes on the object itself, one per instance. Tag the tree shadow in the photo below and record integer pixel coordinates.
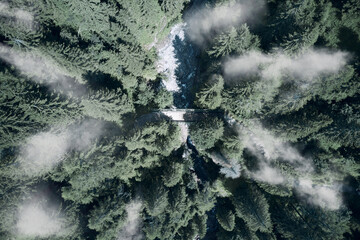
(349, 41)
(98, 80)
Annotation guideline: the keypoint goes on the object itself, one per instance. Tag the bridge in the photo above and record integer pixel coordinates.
(179, 115)
(189, 115)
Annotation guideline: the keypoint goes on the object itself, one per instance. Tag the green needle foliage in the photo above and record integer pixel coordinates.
(280, 160)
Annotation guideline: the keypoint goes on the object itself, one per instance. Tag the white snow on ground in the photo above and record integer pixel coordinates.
(167, 62)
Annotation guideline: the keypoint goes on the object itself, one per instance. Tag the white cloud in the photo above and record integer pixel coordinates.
(268, 148)
(321, 195)
(41, 69)
(23, 15)
(45, 150)
(205, 21)
(131, 230)
(35, 220)
(261, 142)
(20, 15)
(268, 174)
(307, 66)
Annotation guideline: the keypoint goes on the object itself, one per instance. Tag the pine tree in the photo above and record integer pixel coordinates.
(107, 105)
(226, 218)
(299, 24)
(157, 137)
(172, 173)
(308, 222)
(252, 206)
(240, 232)
(173, 8)
(134, 14)
(205, 134)
(163, 98)
(234, 41)
(18, 24)
(344, 131)
(110, 215)
(210, 95)
(300, 124)
(155, 197)
(26, 108)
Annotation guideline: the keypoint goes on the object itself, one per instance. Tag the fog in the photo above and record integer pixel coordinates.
(45, 150)
(322, 195)
(37, 220)
(131, 230)
(307, 66)
(268, 174)
(202, 23)
(20, 15)
(268, 148)
(261, 142)
(41, 69)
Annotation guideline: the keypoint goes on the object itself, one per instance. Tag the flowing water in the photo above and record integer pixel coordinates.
(179, 63)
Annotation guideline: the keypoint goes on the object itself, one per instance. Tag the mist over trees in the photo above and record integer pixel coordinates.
(85, 155)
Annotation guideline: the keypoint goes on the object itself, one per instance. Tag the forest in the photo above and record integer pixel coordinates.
(87, 151)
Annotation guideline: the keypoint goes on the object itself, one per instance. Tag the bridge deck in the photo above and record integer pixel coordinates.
(179, 115)
(189, 115)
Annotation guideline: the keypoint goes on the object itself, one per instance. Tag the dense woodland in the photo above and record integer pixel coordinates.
(283, 162)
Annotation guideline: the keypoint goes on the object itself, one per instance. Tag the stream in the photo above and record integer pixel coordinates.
(179, 62)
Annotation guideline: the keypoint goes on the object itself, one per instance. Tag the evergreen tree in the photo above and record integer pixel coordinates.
(210, 95)
(299, 222)
(173, 172)
(110, 215)
(234, 41)
(26, 108)
(158, 137)
(226, 218)
(172, 8)
(107, 105)
(252, 206)
(105, 52)
(205, 134)
(298, 24)
(134, 14)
